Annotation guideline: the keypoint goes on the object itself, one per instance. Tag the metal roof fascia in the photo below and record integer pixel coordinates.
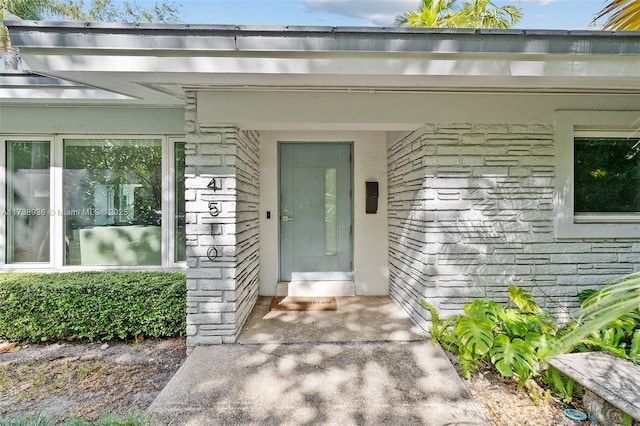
(166, 38)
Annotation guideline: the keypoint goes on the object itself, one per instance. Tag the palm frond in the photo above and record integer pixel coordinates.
(429, 14)
(617, 299)
(624, 15)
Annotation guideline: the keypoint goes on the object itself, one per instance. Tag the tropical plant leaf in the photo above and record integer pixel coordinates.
(435, 319)
(475, 337)
(483, 310)
(547, 323)
(515, 323)
(523, 300)
(542, 344)
(446, 327)
(468, 365)
(586, 294)
(562, 385)
(634, 349)
(617, 299)
(513, 356)
(609, 336)
(439, 329)
(603, 346)
(624, 326)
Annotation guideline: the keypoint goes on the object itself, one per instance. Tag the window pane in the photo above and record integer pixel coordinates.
(27, 203)
(180, 237)
(330, 212)
(112, 201)
(607, 175)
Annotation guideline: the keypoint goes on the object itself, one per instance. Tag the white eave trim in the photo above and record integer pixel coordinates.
(18, 87)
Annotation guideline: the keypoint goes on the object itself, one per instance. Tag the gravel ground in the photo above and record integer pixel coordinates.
(69, 379)
(500, 400)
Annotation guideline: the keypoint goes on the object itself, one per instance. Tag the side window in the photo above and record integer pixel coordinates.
(606, 178)
(27, 202)
(597, 181)
(180, 240)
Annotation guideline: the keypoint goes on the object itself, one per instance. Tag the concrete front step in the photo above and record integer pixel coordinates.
(316, 288)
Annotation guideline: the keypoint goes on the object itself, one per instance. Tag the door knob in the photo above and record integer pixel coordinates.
(287, 219)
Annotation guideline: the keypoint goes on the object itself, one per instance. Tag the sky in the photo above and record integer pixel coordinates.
(537, 14)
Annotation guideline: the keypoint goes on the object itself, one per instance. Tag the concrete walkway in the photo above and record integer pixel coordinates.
(364, 364)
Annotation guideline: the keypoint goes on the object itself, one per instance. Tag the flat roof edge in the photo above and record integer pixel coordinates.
(61, 26)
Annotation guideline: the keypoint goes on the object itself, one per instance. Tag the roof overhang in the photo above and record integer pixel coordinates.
(153, 64)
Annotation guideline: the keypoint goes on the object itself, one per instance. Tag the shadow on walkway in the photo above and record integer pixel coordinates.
(362, 364)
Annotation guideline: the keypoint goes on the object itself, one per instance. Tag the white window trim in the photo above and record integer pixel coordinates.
(56, 262)
(169, 182)
(570, 124)
(3, 206)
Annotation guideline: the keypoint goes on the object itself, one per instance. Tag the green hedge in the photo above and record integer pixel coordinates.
(92, 305)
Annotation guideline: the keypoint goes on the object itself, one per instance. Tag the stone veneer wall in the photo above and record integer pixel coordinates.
(221, 292)
(471, 212)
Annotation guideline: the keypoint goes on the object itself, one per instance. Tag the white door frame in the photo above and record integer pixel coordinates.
(370, 234)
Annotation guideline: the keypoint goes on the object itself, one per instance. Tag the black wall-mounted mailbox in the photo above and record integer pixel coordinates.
(371, 204)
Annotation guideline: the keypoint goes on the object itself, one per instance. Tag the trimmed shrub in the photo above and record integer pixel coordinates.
(92, 305)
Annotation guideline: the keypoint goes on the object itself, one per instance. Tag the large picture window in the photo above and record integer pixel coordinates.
(27, 207)
(112, 201)
(93, 202)
(607, 176)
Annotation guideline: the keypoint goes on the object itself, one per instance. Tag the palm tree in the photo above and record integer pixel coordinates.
(98, 10)
(474, 14)
(430, 14)
(625, 15)
(485, 14)
(616, 299)
(33, 10)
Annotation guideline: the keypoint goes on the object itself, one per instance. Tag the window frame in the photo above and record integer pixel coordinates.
(3, 200)
(56, 220)
(572, 124)
(170, 200)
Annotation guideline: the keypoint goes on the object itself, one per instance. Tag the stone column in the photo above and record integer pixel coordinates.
(222, 230)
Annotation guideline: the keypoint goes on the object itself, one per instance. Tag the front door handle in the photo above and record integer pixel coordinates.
(287, 219)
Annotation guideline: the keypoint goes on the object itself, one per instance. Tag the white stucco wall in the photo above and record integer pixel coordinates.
(394, 111)
(370, 230)
(88, 119)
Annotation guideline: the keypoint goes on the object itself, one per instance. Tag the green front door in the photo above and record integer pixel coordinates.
(316, 212)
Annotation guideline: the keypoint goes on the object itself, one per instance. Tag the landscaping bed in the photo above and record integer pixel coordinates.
(500, 400)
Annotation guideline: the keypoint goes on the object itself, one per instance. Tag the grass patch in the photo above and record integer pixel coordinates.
(77, 390)
(107, 419)
(4, 381)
